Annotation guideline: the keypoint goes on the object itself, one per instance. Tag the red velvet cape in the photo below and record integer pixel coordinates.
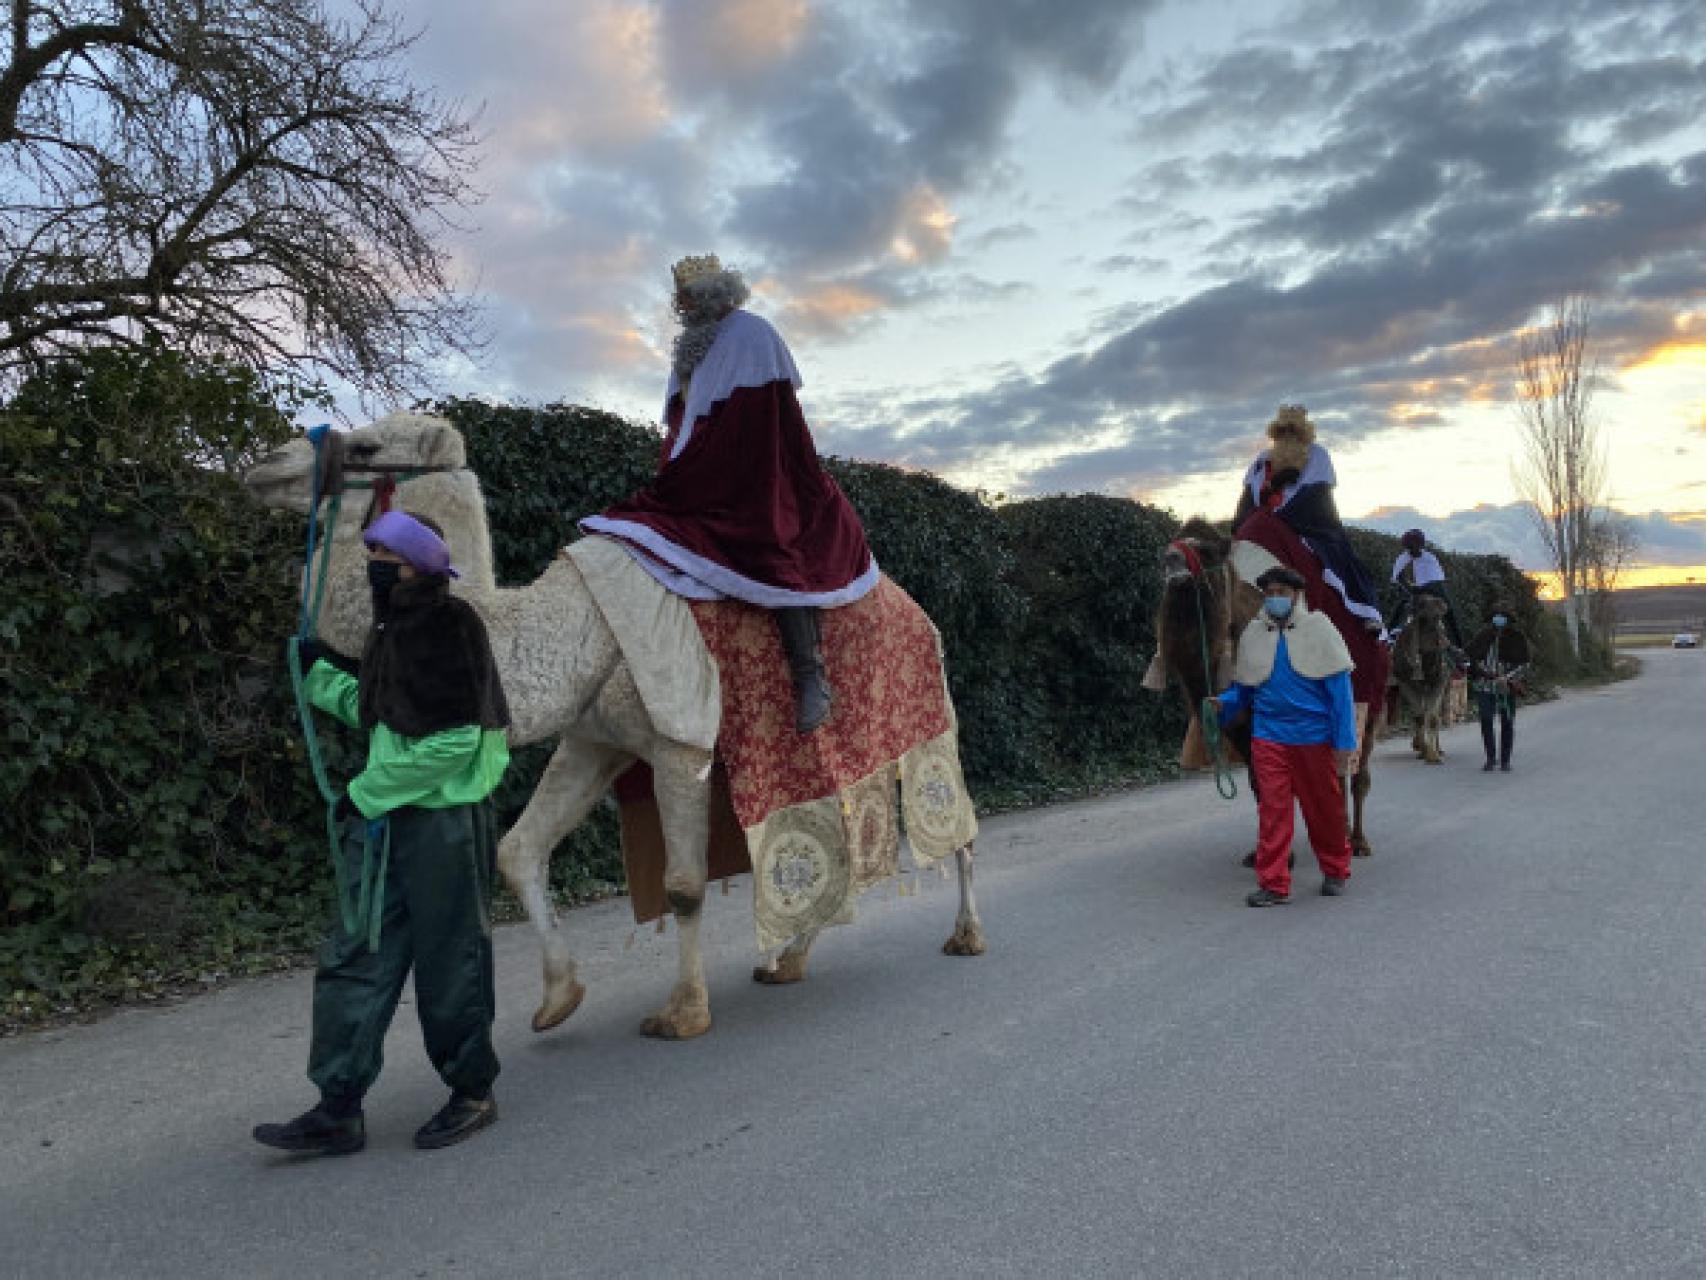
(748, 495)
(1373, 661)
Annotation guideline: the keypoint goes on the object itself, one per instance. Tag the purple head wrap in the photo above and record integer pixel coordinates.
(400, 532)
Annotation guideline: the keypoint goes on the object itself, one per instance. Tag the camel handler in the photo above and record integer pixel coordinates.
(1498, 660)
(741, 506)
(1417, 571)
(1293, 674)
(430, 699)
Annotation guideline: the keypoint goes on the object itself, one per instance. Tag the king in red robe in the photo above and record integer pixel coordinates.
(742, 506)
(1286, 507)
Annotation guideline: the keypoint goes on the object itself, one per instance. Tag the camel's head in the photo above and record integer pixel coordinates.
(1196, 550)
(401, 442)
(1430, 610)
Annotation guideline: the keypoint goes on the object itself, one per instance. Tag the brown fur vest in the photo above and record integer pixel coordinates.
(428, 665)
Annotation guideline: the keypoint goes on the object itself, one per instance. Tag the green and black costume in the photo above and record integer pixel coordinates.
(430, 698)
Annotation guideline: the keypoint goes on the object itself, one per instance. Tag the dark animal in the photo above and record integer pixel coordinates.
(1422, 671)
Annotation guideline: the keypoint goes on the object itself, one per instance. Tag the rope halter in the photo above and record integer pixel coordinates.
(1193, 561)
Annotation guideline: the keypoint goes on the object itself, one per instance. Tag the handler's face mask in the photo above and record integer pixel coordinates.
(1500, 620)
(1278, 607)
(382, 575)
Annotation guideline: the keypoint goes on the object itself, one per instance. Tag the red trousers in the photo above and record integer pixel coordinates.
(1303, 774)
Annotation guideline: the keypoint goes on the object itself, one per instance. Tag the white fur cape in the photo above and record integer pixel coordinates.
(1312, 642)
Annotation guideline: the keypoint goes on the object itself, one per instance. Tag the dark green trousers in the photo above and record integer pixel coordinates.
(437, 921)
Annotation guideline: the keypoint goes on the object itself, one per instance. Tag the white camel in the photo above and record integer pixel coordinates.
(565, 678)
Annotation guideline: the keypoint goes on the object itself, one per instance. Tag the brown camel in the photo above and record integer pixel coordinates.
(1422, 670)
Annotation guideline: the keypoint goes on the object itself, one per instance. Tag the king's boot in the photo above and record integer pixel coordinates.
(804, 647)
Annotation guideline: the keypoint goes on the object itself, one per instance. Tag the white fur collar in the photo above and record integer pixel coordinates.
(1317, 469)
(1312, 643)
(748, 352)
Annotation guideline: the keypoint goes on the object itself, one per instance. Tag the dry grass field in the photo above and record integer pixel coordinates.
(1647, 640)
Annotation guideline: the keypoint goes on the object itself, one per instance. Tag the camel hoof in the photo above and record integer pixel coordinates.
(788, 969)
(677, 1024)
(1362, 851)
(967, 941)
(555, 1012)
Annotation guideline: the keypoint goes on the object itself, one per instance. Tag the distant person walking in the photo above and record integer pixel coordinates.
(1499, 658)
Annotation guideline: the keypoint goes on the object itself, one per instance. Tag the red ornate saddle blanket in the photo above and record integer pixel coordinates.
(884, 663)
(821, 814)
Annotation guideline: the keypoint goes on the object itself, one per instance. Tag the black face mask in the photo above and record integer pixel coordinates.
(382, 575)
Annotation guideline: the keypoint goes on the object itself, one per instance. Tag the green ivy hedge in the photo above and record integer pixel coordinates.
(157, 819)
(154, 800)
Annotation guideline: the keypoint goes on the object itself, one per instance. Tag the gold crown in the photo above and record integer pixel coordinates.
(691, 268)
(1292, 420)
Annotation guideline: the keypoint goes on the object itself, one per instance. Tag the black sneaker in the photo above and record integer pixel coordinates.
(317, 1132)
(459, 1119)
(1488, 767)
(1505, 767)
(1332, 887)
(1266, 898)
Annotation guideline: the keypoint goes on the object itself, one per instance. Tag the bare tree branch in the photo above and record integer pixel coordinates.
(29, 63)
(1612, 543)
(245, 178)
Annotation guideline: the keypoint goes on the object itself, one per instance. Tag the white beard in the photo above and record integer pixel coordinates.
(691, 346)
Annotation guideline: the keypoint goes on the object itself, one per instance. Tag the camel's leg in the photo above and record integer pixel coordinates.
(1362, 782)
(967, 939)
(578, 774)
(681, 778)
(1433, 754)
(789, 964)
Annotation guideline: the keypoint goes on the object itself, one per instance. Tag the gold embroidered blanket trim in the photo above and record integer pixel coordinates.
(811, 861)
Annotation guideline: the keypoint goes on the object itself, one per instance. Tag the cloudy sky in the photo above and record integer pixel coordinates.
(1089, 245)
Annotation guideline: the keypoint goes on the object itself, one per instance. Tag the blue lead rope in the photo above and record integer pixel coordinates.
(361, 904)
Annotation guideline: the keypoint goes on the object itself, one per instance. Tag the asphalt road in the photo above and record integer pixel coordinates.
(1485, 1060)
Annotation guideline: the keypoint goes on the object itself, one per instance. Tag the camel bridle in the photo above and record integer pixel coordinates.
(333, 468)
(1190, 555)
